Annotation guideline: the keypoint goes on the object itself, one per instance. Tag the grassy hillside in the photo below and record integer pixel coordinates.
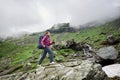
(23, 50)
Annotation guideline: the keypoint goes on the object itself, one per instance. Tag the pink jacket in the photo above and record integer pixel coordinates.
(46, 40)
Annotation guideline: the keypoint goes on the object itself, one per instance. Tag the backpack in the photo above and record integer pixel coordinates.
(39, 43)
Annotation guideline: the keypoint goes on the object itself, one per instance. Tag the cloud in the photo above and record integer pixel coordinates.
(38, 15)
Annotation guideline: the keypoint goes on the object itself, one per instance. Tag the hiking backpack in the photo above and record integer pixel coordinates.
(39, 43)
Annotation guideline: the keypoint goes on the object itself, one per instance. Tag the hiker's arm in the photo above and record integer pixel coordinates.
(52, 42)
(42, 42)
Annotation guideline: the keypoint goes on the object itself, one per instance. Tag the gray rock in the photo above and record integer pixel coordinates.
(108, 53)
(72, 64)
(110, 39)
(27, 66)
(77, 70)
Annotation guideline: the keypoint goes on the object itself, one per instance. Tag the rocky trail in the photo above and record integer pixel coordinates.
(76, 70)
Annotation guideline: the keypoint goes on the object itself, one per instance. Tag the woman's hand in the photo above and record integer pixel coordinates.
(44, 46)
(53, 42)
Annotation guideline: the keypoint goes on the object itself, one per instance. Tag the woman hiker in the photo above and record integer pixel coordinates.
(45, 42)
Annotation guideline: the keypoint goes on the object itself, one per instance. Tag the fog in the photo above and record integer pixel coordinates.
(38, 15)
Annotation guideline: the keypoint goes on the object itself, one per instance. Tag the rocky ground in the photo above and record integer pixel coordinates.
(76, 70)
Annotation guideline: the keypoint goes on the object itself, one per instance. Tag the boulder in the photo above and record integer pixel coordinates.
(27, 67)
(112, 40)
(108, 53)
(57, 47)
(112, 70)
(70, 44)
(74, 45)
(76, 70)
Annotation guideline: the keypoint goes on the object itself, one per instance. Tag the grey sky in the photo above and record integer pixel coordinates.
(38, 15)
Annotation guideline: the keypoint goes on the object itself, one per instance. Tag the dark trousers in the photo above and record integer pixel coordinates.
(49, 51)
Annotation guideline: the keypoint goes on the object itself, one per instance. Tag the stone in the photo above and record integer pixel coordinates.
(112, 40)
(72, 64)
(27, 66)
(76, 70)
(108, 53)
(71, 44)
(112, 70)
(76, 55)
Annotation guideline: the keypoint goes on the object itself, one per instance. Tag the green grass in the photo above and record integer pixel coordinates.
(22, 54)
(64, 51)
(6, 48)
(20, 57)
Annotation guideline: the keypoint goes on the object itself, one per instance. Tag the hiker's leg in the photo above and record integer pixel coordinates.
(43, 56)
(50, 53)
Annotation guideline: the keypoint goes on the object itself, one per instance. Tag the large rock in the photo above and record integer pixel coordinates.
(77, 70)
(111, 40)
(71, 44)
(108, 53)
(112, 70)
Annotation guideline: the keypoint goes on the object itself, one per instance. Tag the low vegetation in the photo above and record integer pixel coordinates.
(23, 51)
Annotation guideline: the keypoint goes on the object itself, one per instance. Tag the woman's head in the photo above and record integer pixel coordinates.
(47, 33)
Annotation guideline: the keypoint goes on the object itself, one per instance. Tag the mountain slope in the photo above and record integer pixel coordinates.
(23, 51)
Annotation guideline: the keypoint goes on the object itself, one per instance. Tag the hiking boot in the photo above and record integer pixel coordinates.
(52, 63)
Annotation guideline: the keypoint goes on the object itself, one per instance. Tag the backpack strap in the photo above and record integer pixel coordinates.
(43, 39)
